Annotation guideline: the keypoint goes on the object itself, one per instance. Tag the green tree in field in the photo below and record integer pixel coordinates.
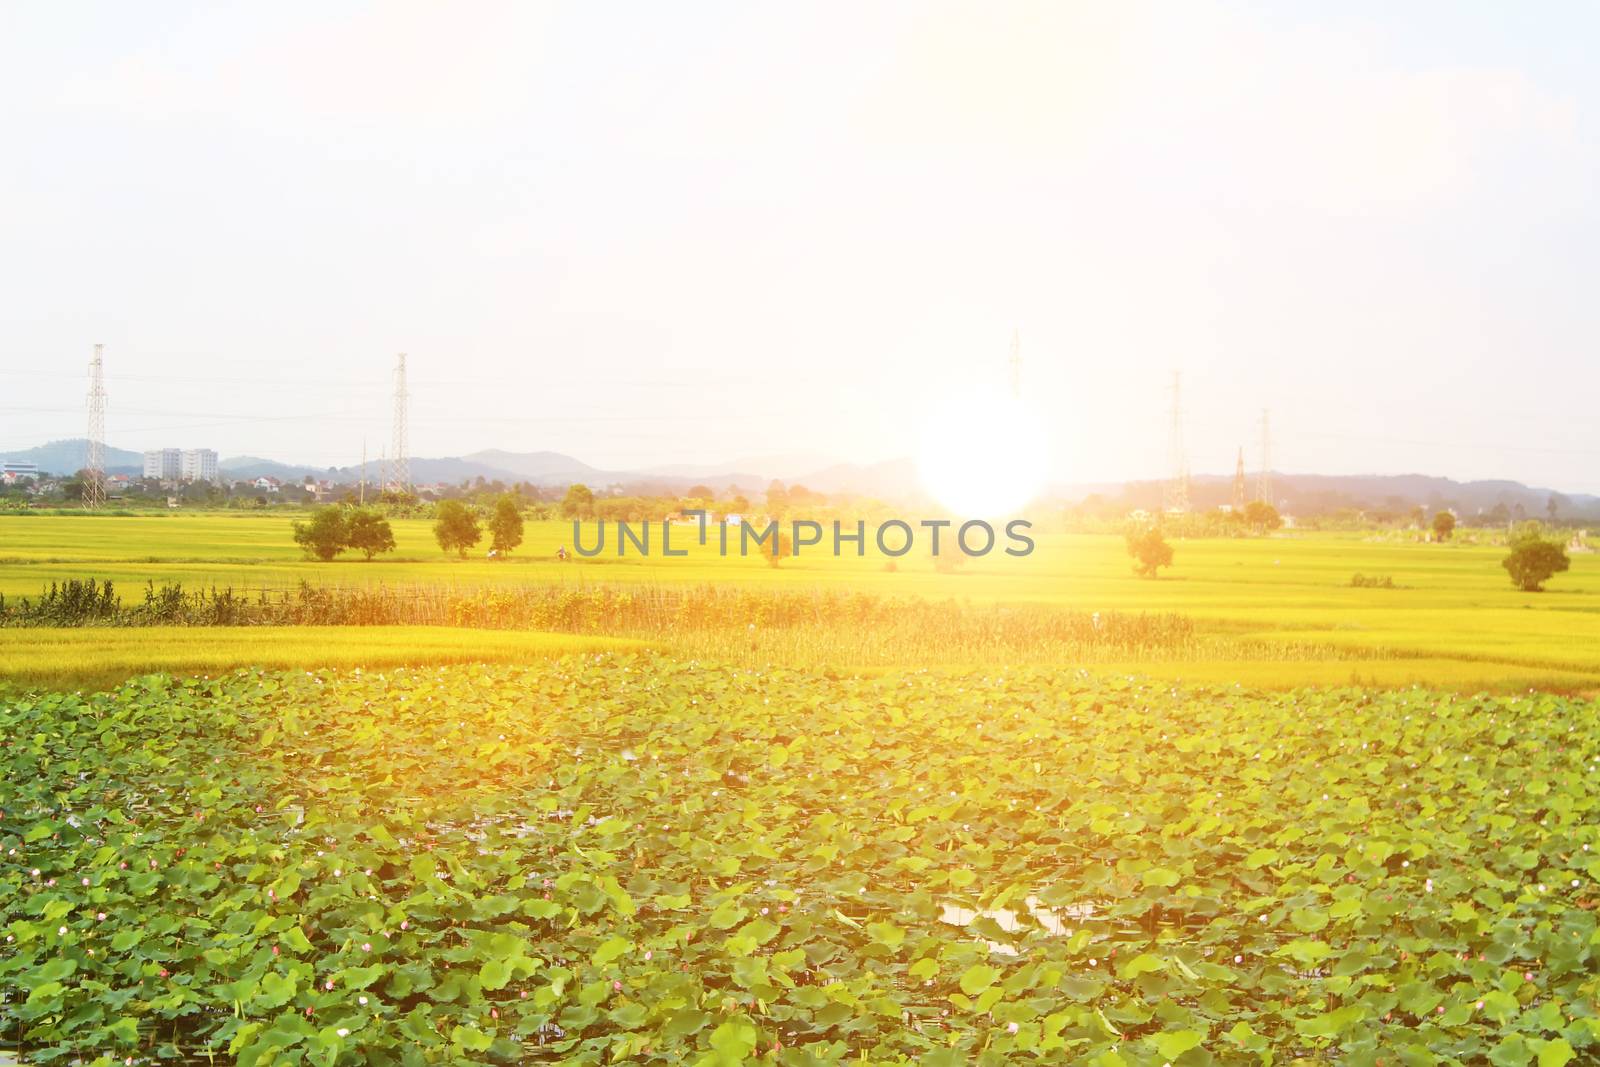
(578, 503)
(1149, 550)
(1262, 516)
(505, 526)
(326, 535)
(782, 545)
(1533, 560)
(1444, 524)
(368, 533)
(456, 527)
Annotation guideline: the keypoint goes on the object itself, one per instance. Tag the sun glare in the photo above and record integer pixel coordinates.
(984, 455)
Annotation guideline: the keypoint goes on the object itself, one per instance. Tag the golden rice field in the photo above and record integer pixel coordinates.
(94, 657)
(1277, 611)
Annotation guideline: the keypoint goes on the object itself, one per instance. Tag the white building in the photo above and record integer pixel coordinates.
(198, 465)
(181, 464)
(163, 463)
(12, 473)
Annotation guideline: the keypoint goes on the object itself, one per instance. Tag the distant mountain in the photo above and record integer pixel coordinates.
(250, 467)
(766, 468)
(1308, 494)
(66, 457)
(541, 468)
(892, 480)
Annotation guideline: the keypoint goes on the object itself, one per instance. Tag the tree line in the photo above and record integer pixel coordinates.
(457, 527)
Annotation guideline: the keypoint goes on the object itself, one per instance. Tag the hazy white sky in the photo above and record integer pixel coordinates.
(659, 233)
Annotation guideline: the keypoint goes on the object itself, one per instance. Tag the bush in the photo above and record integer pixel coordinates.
(1371, 581)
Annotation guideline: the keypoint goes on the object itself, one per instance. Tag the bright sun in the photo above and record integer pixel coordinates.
(984, 455)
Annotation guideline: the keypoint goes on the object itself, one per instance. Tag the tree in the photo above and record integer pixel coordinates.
(777, 497)
(782, 546)
(456, 527)
(326, 535)
(1444, 524)
(368, 533)
(1149, 550)
(505, 526)
(1262, 516)
(702, 492)
(578, 503)
(1533, 560)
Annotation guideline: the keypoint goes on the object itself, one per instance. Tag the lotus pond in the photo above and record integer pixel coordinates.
(623, 857)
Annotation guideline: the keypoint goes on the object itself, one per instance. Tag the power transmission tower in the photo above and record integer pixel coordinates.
(1239, 484)
(1176, 496)
(400, 471)
(1016, 364)
(1264, 486)
(94, 481)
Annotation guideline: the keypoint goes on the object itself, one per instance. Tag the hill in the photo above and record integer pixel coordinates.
(892, 480)
(66, 457)
(1311, 494)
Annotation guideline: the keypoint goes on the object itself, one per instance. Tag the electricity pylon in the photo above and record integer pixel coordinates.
(400, 469)
(94, 463)
(1175, 498)
(1264, 486)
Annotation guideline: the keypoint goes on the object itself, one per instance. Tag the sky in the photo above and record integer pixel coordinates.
(646, 234)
